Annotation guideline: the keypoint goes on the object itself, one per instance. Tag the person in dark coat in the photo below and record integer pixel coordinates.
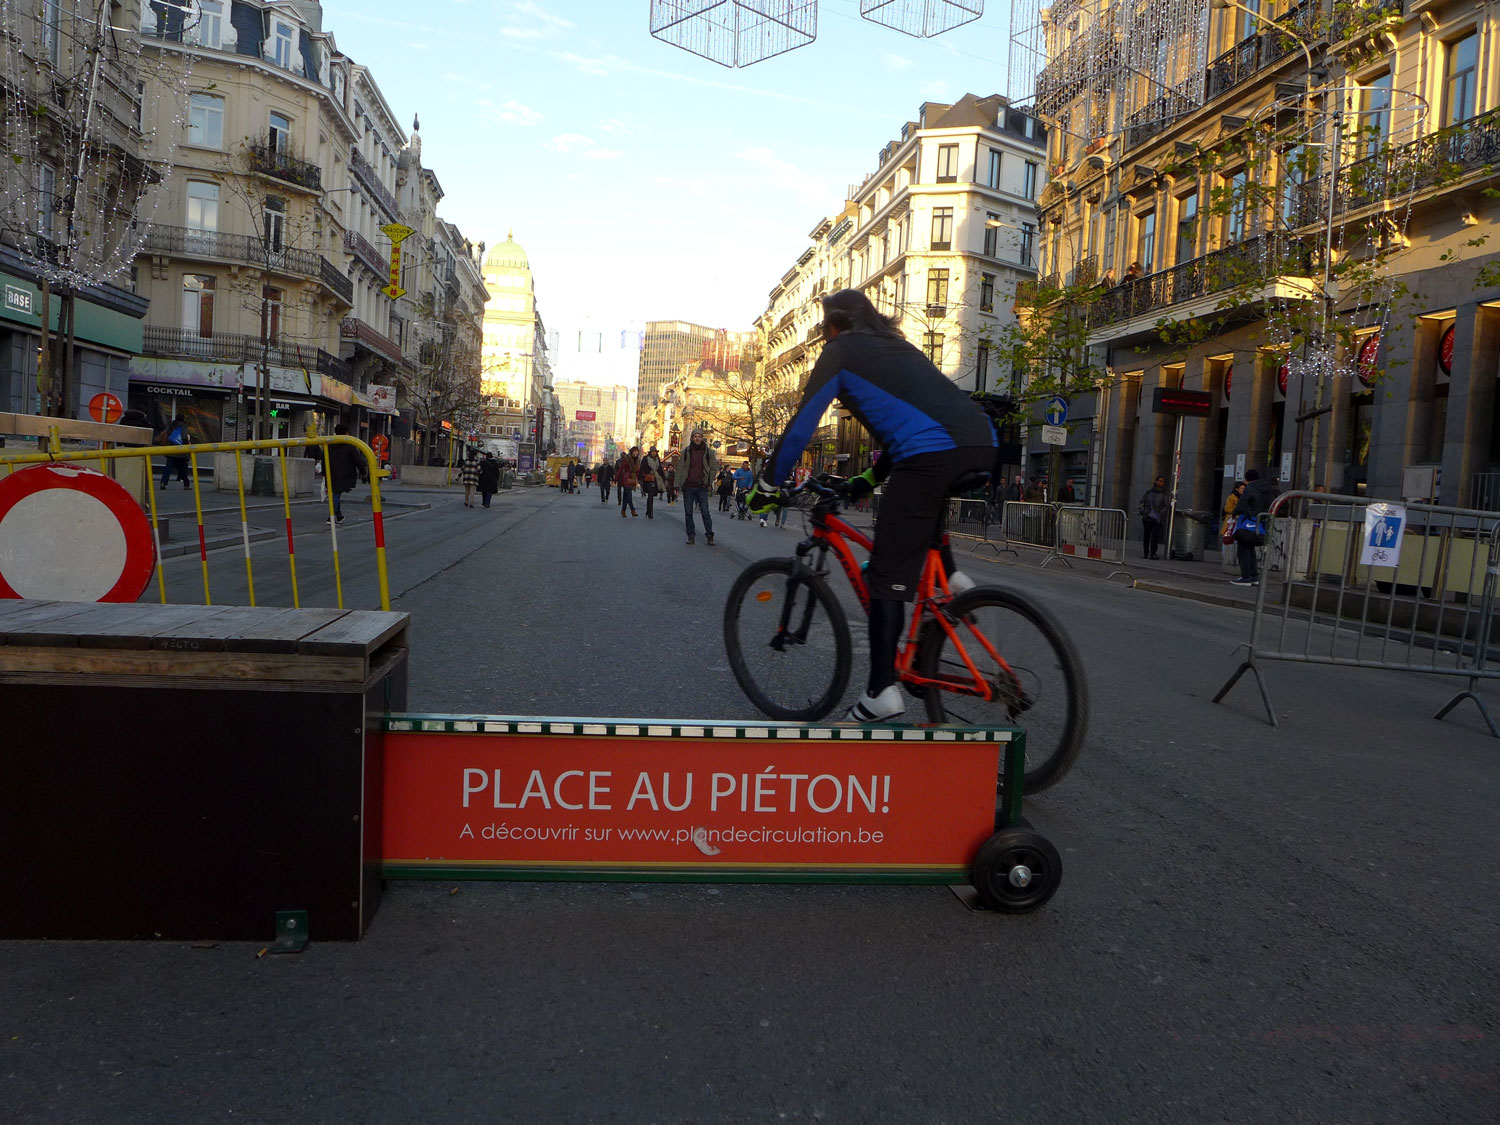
(345, 468)
(604, 474)
(1254, 502)
(627, 470)
(1153, 512)
(489, 478)
(176, 435)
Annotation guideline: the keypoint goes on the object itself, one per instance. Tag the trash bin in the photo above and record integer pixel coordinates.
(1189, 534)
(263, 478)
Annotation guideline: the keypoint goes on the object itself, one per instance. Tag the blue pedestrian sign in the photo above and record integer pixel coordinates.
(1057, 410)
(1383, 526)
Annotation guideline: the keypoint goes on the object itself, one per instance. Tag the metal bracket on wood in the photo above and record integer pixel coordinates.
(291, 931)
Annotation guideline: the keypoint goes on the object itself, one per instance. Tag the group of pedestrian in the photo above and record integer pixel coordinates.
(1247, 502)
(481, 474)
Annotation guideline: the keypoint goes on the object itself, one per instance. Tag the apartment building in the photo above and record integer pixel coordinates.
(67, 241)
(1337, 167)
(516, 372)
(597, 421)
(941, 233)
(709, 361)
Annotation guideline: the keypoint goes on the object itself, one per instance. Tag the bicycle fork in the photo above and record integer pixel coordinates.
(785, 632)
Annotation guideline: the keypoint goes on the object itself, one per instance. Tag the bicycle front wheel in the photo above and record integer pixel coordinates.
(788, 640)
(1029, 662)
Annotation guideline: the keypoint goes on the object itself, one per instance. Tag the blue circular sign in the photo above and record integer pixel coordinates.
(1057, 410)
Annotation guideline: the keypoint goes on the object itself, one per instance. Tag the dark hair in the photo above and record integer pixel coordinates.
(849, 310)
(1252, 474)
(341, 429)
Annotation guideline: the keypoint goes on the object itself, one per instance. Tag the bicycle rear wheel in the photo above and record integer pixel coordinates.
(1038, 677)
(788, 640)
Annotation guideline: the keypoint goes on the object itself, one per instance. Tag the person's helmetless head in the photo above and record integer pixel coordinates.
(697, 438)
(1161, 482)
(341, 429)
(849, 310)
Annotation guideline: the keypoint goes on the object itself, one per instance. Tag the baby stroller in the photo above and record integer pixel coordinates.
(741, 504)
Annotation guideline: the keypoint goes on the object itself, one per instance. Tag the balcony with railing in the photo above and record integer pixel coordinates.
(334, 367)
(218, 347)
(365, 253)
(1160, 114)
(369, 179)
(1443, 158)
(183, 242)
(1256, 52)
(1252, 266)
(363, 335)
(268, 160)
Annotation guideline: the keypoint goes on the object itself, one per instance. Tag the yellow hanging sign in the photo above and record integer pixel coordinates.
(397, 233)
(394, 290)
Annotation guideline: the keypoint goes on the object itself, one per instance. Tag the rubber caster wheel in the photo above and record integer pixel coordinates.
(1016, 871)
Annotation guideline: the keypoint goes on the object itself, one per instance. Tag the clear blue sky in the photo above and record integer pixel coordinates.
(642, 181)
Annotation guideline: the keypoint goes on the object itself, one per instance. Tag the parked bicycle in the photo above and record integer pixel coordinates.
(987, 656)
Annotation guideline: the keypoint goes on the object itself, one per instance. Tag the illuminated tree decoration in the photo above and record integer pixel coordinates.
(735, 32)
(922, 18)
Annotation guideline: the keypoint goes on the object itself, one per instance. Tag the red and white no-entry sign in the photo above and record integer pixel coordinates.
(72, 534)
(106, 407)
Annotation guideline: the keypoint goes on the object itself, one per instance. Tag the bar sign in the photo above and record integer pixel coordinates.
(1170, 400)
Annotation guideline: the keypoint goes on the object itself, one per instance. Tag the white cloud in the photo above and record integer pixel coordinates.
(522, 32)
(788, 177)
(614, 125)
(602, 154)
(568, 142)
(510, 111)
(584, 64)
(530, 8)
(936, 91)
(894, 61)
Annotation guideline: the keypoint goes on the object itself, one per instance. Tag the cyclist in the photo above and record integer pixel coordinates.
(930, 433)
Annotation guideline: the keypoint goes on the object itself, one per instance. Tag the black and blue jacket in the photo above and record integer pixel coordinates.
(906, 403)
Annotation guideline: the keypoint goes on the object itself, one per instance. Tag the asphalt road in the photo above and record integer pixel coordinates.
(1254, 924)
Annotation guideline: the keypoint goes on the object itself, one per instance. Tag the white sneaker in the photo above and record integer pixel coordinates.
(880, 708)
(958, 582)
(762, 521)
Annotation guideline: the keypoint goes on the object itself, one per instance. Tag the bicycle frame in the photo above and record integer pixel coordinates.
(830, 533)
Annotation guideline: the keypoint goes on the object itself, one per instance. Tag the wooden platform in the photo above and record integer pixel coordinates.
(188, 771)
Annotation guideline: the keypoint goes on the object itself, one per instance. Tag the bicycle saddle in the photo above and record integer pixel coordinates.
(968, 483)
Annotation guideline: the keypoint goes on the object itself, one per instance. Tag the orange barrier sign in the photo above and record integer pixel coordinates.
(618, 798)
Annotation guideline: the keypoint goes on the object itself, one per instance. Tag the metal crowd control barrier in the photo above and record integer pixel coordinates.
(279, 448)
(1092, 533)
(1030, 524)
(1362, 583)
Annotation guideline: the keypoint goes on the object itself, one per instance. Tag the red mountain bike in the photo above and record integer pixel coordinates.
(987, 656)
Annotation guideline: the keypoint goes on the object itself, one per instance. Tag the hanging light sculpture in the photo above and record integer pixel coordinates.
(922, 18)
(735, 32)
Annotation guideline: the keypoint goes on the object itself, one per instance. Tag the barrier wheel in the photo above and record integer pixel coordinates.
(1016, 871)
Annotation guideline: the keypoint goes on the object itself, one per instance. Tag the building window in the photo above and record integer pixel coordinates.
(281, 45)
(275, 224)
(1028, 244)
(280, 133)
(209, 29)
(991, 234)
(1293, 177)
(981, 366)
(1234, 222)
(1459, 94)
(932, 347)
(1187, 227)
(198, 304)
(46, 199)
(1145, 252)
(1375, 125)
(986, 292)
(206, 121)
(52, 30)
(202, 206)
(1107, 248)
(1028, 180)
(942, 228)
(937, 292)
(1249, 19)
(270, 315)
(994, 177)
(947, 168)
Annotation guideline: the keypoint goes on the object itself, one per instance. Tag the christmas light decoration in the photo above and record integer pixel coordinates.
(921, 18)
(735, 33)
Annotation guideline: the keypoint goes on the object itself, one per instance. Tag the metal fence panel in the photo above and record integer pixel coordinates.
(1343, 586)
(1093, 533)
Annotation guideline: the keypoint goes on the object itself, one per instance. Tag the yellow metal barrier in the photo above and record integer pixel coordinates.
(55, 455)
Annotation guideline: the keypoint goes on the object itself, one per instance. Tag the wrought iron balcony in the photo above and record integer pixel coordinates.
(181, 242)
(1161, 114)
(334, 367)
(369, 179)
(1246, 264)
(1256, 52)
(271, 161)
(352, 328)
(365, 253)
(218, 347)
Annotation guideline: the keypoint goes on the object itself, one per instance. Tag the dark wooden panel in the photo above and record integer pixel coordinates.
(207, 633)
(358, 633)
(37, 625)
(114, 626)
(282, 632)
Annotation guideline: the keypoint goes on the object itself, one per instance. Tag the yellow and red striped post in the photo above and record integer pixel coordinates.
(239, 477)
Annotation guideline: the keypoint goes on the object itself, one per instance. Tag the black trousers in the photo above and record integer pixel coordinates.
(1152, 534)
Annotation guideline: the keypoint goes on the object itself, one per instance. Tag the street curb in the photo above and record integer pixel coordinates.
(1192, 595)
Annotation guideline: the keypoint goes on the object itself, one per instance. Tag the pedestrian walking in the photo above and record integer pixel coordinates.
(669, 473)
(696, 466)
(650, 480)
(177, 435)
(627, 470)
(1226, 533)
(1068, 495)
(1253, 503)
(1153, 512)
(604, 474)
(489, 478)
(726, 489)
(345, 468)
(743, 480)
(1017, 489)
(468, 474)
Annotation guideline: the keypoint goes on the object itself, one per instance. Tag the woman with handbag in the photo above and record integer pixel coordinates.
(651, 480)
(1226, 532)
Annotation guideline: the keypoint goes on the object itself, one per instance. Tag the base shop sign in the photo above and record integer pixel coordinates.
(520, 803)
